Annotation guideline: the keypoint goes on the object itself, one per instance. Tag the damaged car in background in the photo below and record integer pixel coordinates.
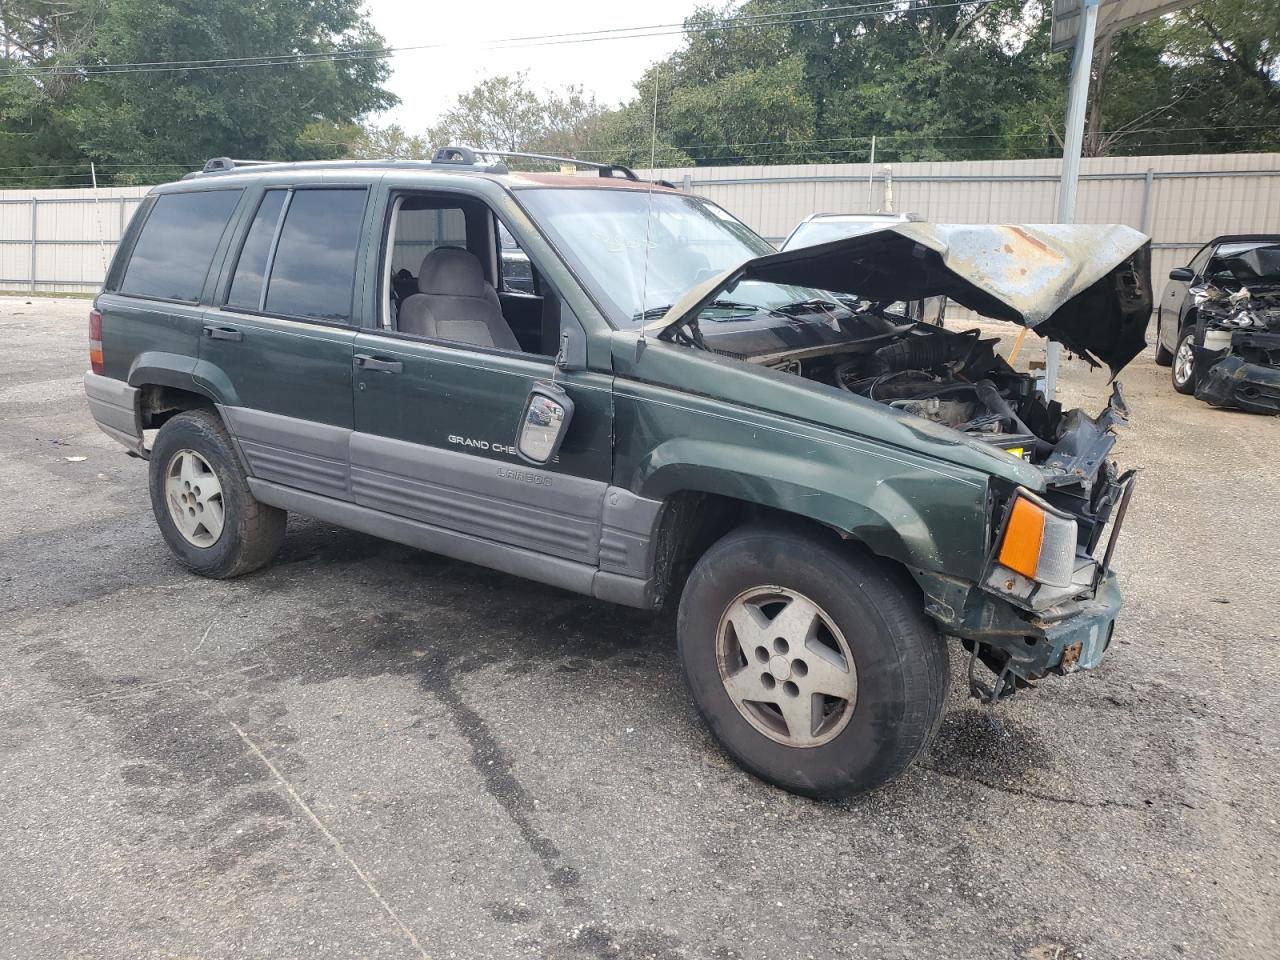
(1218, 324)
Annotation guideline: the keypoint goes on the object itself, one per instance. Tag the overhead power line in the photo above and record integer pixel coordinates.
(878, 8)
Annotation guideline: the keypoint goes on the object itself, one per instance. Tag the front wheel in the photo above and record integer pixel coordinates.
(812, 663)
(1184, 363)
(201, 500)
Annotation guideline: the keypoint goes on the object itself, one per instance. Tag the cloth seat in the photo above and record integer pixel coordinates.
(455, 302)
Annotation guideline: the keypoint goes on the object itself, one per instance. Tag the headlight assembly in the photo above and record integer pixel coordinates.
(1038, 542)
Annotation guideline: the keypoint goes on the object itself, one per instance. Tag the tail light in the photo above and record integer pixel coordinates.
(95, 341)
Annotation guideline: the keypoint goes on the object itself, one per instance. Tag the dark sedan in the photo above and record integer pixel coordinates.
(1218, 323)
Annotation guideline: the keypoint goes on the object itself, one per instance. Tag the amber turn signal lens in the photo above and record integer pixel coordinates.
(1023, 535)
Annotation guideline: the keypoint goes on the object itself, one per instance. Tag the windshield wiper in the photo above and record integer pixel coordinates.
(753, 307)
(812, 305)
(654, 313)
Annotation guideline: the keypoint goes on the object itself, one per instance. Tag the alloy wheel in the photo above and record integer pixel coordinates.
(786, 666)
(194, 497)
(1184, 362)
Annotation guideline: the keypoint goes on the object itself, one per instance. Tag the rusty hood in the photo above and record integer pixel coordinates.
(1086, 286)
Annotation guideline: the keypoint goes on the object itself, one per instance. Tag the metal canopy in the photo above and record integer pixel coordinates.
(1113, 16)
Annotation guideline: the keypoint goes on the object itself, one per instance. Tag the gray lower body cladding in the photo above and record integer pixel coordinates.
(556, 571)
(572, 532)
(114, 406)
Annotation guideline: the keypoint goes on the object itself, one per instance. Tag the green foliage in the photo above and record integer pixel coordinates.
(143, 126)
(754, 82)
(940, 82)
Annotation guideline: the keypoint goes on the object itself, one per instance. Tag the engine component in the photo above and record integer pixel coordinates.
(952, 413)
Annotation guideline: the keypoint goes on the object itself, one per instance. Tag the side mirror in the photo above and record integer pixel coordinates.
(1184, 274)
(544, 422)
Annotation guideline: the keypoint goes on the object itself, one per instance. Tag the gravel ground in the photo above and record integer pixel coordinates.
(369, 751)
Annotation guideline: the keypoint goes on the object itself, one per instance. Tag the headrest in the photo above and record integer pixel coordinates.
(451, 272)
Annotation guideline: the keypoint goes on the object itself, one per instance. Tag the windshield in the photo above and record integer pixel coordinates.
(824, 231)
(1246, 263)
(637, 260)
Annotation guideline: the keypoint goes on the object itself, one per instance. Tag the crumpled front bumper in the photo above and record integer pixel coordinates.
(1232, 381)
(1069, 637)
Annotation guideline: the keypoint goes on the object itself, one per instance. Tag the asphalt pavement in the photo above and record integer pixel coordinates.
(369, 751)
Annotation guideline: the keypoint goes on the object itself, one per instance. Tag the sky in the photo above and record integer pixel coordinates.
(429, 81)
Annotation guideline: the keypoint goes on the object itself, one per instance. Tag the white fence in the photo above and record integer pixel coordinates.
(1180, 201)
(61, 240)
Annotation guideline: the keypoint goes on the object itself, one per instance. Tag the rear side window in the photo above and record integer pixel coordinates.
(313, 270)
(175, 248)
(246, 288)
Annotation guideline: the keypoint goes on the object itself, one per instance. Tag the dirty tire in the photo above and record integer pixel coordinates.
(1184, 374)
(1164, 357)
(251, 531)
(902, 664)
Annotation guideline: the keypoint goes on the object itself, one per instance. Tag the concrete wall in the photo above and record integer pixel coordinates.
(1181, 201)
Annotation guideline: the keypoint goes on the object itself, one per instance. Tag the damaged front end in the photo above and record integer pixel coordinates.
(1046, 600)
(1239, 360)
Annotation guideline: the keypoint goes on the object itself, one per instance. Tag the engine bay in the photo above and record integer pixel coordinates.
(1239, 358)
(956, 379)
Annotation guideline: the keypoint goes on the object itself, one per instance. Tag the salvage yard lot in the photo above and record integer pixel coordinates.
(366, 750)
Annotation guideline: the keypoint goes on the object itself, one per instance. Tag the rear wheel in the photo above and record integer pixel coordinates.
(1184, 372)
(812, 663)
(201, 500)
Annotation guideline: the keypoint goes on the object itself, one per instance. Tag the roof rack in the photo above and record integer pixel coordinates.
(480, 160)
(468, 155)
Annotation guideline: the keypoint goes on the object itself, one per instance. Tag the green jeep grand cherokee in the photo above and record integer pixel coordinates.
(659, 410)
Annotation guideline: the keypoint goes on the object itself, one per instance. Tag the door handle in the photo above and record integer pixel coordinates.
(366, 362)
(223, 333)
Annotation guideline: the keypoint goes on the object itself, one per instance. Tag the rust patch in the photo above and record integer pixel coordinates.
(1038, 244)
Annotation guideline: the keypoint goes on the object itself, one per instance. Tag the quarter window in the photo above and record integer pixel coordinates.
(313, 272)
(175, 249)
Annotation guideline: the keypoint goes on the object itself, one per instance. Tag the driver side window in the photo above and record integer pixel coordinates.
(1201, 260)
(454, 273)
(417, 233)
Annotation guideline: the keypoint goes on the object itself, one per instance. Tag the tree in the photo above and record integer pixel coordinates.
(142, 124)
(505, 113)
(756, 83)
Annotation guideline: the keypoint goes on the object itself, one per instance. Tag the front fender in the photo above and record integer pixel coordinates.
(928, 516)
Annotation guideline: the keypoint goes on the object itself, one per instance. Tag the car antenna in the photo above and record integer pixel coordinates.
(648, 216)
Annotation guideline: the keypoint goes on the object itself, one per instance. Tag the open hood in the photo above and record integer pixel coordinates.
(1086, 286)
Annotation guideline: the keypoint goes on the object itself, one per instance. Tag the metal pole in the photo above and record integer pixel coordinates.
(1145, 223)
(1072, 146)
(871, 177)
(34, 205)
